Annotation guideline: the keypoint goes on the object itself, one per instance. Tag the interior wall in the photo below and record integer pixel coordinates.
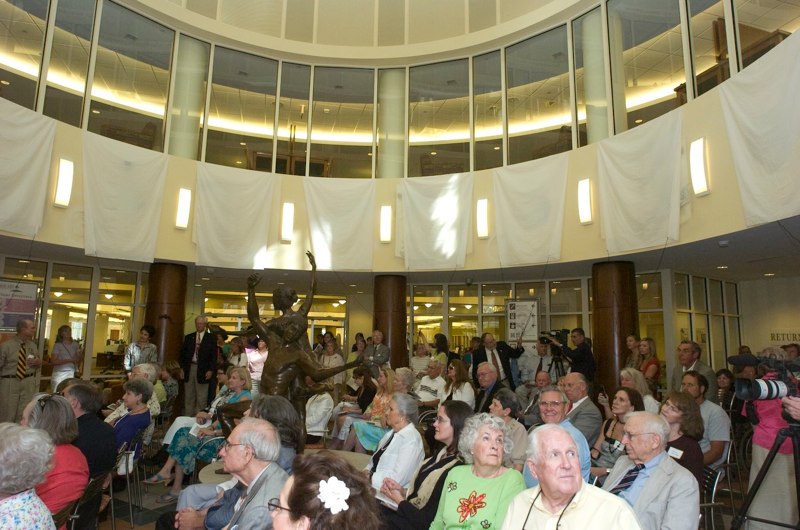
(717, 213)
(769, 310)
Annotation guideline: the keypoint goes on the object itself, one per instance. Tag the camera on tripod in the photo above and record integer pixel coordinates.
(783, 384)
(561, 335)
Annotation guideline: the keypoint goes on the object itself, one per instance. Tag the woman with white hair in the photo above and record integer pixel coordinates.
(477, 496)
(400, 451)
(26, 455)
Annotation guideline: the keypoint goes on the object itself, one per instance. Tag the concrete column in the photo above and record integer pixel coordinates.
(615, 313)
(390, 315)
(594, 79)
(188, 98)
(391, 123)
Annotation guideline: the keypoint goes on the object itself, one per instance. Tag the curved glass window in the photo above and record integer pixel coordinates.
(487, 93)
(131, 78)
(438, 120)
(538, 104)
(341, 122)
(22, 28)
(241, 113)
(763, 25)
(69, 61)
(646, 60)
(293, 119)
(590, 78)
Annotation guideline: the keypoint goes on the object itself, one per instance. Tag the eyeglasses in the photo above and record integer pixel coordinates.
(44, 399)
(227, 445)
(634, 434)
(275, 505)
(548, 404)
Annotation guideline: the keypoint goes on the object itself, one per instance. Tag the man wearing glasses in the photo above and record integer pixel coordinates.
(662, 493)
(553, 409)
(249, 454)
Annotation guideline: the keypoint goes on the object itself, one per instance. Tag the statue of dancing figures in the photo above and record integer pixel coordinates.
(290, 356)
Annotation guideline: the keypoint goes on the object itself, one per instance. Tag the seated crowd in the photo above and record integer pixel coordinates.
(508, 450)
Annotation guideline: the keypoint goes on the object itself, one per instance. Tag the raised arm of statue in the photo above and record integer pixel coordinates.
(306, 307)
(252, 306)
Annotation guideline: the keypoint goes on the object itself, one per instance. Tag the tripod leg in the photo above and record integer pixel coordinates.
(739, 518)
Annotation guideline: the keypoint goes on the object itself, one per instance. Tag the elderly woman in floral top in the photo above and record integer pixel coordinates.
(26, 455)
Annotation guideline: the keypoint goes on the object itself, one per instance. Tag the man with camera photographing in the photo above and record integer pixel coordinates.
(581, 358)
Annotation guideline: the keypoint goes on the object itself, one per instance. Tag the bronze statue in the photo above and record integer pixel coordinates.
(290, 356)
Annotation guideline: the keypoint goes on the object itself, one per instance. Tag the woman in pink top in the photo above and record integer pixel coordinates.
(69, 476)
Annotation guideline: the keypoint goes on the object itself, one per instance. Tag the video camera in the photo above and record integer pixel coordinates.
(784, 384)
(561, 335)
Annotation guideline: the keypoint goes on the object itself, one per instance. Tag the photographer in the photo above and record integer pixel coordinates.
(792, 407)
(779, 483)
(581, 357)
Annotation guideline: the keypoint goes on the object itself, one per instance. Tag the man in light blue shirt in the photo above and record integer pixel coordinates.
(553, 405)
(663, 494)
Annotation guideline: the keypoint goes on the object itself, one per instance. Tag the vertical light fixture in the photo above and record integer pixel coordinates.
(386, 224)
(64, 184)
(184, 208)
(697, 166)
(287, 222)
(482, 218)
(585, 201)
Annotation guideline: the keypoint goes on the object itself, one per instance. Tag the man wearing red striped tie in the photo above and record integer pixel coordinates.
(19, 371)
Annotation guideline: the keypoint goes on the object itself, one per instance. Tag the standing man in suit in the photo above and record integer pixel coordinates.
(499, 355)
(199, 363)
(581, 358)
(377, 354)
(662, 492)
(689, 359)
(489, 385)
(20, 361)
(583, 414)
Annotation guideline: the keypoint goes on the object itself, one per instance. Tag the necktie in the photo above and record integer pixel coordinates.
(628, 479)
(197, 340)
(378, 454)
(496, 364)
(22, 362)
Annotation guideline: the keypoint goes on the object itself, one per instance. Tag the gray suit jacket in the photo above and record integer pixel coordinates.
(253, 513)
(670, 499)
(701, 367)
(587, 418)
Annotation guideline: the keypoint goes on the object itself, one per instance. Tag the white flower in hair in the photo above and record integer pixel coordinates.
(334, 494)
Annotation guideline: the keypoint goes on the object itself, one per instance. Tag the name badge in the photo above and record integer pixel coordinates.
(675, 453)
